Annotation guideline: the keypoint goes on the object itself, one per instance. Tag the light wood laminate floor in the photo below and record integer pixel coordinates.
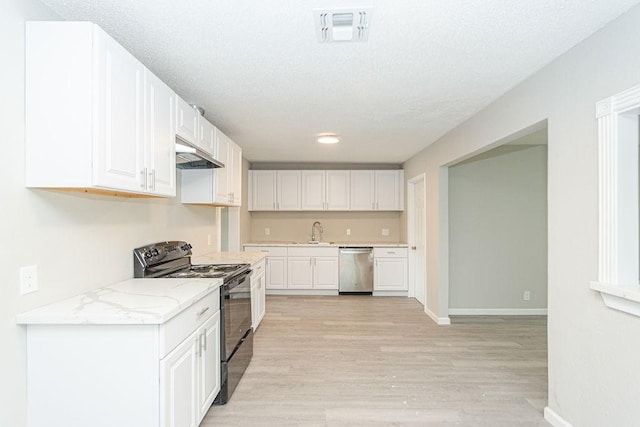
(355, 360)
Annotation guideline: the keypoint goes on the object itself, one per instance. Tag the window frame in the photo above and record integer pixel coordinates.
(619, 240)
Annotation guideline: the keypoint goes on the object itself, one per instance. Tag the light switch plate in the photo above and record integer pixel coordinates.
(267, 231)
(348, 232)
(385, 231)
(28, 279)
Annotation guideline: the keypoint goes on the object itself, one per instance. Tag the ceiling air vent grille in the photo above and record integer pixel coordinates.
(342, 25)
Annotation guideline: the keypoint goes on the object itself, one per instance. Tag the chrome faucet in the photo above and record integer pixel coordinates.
(313, 231)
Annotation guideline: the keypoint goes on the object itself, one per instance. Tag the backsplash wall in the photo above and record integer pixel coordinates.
(296, 226)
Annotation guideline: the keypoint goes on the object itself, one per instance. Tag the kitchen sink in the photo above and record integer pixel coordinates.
(315, 242)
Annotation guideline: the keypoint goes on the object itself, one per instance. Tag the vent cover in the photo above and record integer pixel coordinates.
(342, 25)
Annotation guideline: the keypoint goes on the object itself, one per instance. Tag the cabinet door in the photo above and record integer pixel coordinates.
(235, 172)
(257, 299)
(118, 144)
(337, 191)
(325, 273)
(208, 364)
(390, 274)
(313, 190)
(262, 190)
(362, 190)
(179, 386)
(276, 272)
(206, 136)
(186, 121)
(288, 190)
(389, 189)
(221, 174)
(160, 136)
(300, 272)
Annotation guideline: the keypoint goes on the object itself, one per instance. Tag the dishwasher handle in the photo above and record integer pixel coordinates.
(355, 250)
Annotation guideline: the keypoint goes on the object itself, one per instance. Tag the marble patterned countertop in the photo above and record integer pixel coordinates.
(130, 302)
(229, 258)
(330, 244)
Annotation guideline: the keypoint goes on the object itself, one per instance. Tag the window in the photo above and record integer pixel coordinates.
(619, 239)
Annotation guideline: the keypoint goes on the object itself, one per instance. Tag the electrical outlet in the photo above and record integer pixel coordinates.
(267, 231)
(28, 279)
(526, 296)
(348, 232)
(385, 231)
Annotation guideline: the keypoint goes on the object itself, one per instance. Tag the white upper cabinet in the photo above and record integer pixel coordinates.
(380, 190)
(318, 190)
(271, 190)
(194, 128)
(325, 190)
(186, 121)
(219, 186)
(96, 118)
(207, 136)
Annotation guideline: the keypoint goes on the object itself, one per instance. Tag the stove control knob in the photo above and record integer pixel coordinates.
(148, 255)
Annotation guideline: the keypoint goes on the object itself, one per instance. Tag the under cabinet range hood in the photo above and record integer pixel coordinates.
(188, 156)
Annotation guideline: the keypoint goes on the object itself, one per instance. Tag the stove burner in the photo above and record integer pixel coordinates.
(208, 271)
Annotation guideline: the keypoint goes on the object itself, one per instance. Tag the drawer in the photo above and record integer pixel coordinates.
(390, 252)
(186, 322)
(269, 250)
(312, 252)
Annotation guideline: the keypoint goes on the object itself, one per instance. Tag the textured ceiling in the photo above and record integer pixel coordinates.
(257, 69)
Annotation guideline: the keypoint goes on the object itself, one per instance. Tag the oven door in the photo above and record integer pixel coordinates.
(236, 295)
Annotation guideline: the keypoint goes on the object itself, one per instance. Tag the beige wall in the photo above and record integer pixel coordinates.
(296, 226)
(78, 241)
(593, 350)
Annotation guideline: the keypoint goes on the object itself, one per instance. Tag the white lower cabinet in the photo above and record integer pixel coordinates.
(275, 265)
(313, 268)
(190, 376)
(125, 375)
(390, 269)
(258, 295)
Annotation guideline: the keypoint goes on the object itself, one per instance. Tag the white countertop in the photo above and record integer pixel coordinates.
(228, 258)
(331, 244)
(131, 302)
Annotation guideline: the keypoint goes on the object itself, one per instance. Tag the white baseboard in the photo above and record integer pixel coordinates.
(439, 320)
(554, 419)
(497, 311)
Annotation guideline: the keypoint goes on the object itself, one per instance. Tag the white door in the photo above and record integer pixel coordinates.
(119, 148)
(288, 187)
(276, 272)
(300, 272)
(388, 188)
(263, 190)
(178, 386)
(416, 232)
(325, 273)
(337, 190)
(209, 364)
(220, 174)
(160, 136)
(313, 190)
(186, 121)
(362, 190)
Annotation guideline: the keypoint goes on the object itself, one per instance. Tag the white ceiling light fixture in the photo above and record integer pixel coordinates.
(342, 25)
(328, 138)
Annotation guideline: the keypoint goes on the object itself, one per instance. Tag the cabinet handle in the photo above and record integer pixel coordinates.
(143, 178)
(203, 311)
(152, 177)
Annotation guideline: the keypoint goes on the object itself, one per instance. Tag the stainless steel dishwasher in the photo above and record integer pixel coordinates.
(356, 270)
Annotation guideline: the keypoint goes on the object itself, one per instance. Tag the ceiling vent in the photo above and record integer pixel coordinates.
(342, 25)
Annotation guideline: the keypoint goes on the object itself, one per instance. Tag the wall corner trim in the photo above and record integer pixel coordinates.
(440, 321)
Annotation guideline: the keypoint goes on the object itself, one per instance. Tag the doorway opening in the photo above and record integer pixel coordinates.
(497, 229)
